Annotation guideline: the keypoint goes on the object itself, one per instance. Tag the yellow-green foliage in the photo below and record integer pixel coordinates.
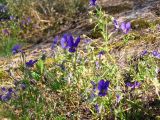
(49, 62)
(144, 37)
(3, 74)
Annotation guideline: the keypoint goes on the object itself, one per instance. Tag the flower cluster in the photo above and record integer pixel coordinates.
(102, 87)
(67, 42)
(31, 63)
(71, 44)
(16, 49)
(125, 26)
(25, 22)
(7, 93)
(93, 2)
(155, 53)
(133, 85)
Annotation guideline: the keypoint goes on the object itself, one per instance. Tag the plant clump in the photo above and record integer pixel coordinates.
(80, 78)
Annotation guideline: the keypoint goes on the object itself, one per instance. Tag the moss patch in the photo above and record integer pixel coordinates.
(135, 40)
(95, 34)
(140, 24)
(157, 21)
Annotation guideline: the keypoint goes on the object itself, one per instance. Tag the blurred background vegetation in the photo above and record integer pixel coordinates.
(45, 13)
(34, 19)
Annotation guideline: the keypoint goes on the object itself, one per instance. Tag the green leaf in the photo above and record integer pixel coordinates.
(35, 75)
(40, 66)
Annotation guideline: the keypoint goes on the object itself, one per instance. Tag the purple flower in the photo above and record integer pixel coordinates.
(31, 63)
(67, 41)
(55, 41)
(10, 90)
(134, 85)
(5, 32)
(64, 41)
(144, 53)
(23, 86)
(94, 85)
(3, 89)
(28, 20)
(118, 98)
(73, 45)
(6, 97)
(87, 41)
(16, 49)
(103, 87)
(97, 65)
(12, 17)
(154, 53)
(93, 2)
(0, 97)
(116, 25)
(126, 27)
(96, 108)
(128, 84)
(100, 54)
(92, 95)
(23, 23)
(158, 56)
